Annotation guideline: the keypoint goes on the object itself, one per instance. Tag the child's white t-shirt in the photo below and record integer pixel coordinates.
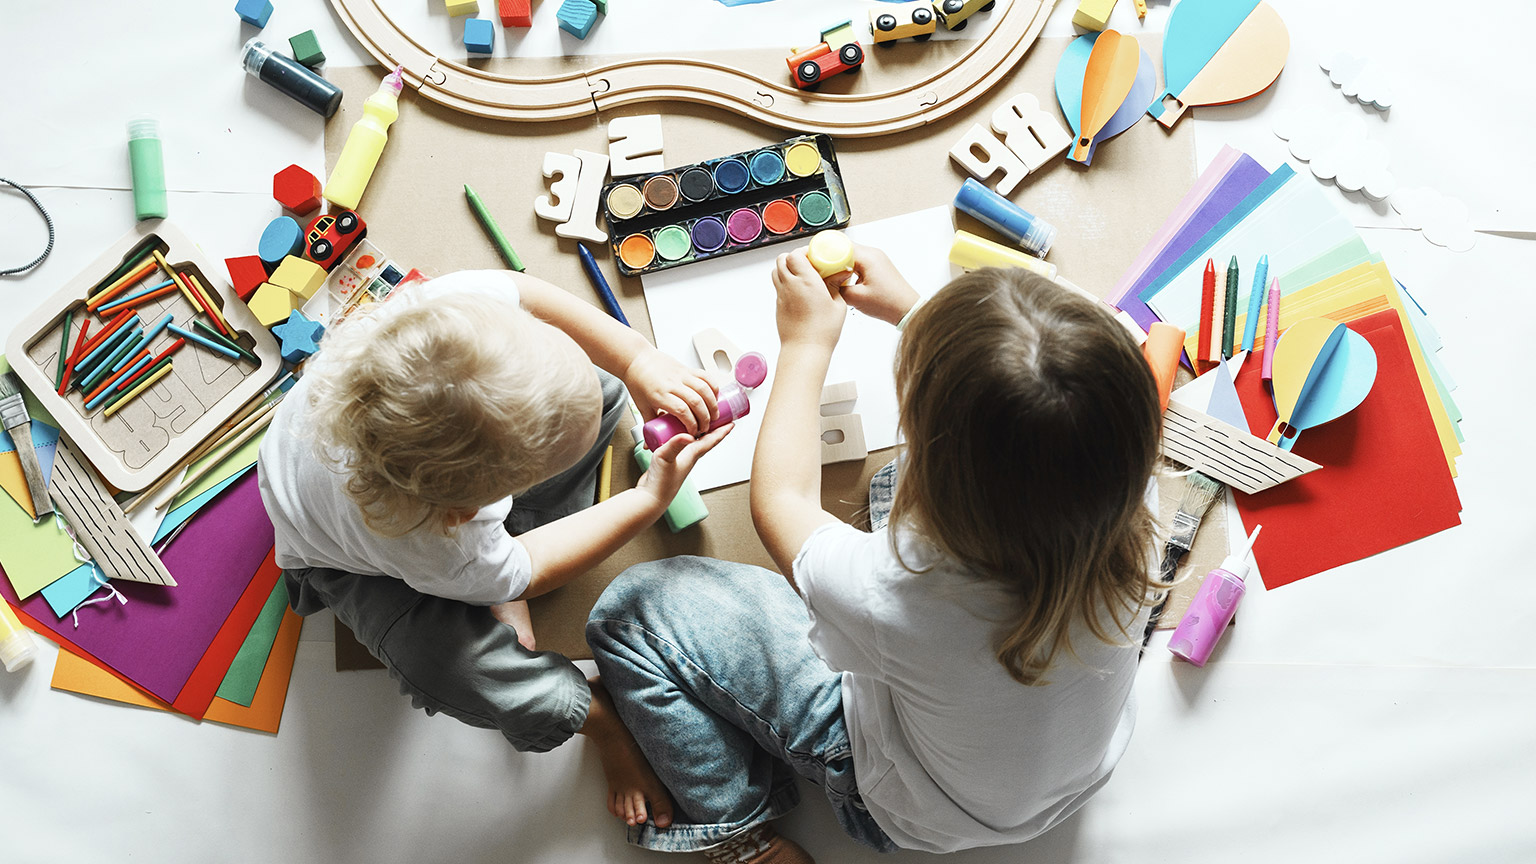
(318, 525)
(949, 751)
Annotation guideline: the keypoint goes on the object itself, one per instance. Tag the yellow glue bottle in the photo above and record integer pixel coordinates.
(16, 645)
(360, 155)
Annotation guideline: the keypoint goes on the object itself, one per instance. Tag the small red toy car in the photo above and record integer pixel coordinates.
(331, 237)
(837, 52)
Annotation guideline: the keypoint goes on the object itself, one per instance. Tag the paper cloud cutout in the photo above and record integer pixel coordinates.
(1337, 147)
(1359, 79)
(1441, 218)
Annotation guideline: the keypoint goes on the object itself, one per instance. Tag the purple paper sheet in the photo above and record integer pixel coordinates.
(1245, 176)
(157, 639)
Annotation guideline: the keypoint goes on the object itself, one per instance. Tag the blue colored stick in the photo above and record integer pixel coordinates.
(106, 347)
(206, 343)
(589, 264)
(123, 301)
(148, 337)
(1255, 300)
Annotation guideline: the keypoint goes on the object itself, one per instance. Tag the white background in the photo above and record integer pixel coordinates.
(1380, 712)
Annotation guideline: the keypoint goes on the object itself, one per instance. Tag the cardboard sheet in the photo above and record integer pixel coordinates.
(1383, 484)
(79, 675)
(416, 214)
(160, 637)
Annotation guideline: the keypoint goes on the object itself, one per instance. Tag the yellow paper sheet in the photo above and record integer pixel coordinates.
(1349, 295)
(78, 675)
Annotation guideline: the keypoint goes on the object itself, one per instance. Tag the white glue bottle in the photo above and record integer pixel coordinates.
(1213, 607)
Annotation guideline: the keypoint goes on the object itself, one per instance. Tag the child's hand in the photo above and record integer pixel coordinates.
(808, 310)
(879, 291)
(660, 383)
(671, 462)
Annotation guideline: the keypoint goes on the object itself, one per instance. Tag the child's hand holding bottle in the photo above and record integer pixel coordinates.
(809, 310)
(877, 290)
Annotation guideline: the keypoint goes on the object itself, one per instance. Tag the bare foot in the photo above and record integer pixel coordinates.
(635, 793)
(515, 613)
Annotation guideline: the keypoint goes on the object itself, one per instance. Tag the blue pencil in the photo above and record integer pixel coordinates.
(1255, 299)
(589, 264)
(205, 342)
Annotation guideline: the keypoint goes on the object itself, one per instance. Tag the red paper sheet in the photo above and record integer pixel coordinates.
(1384, 480)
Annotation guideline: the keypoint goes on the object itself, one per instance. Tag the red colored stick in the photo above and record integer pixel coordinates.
(69, 367)
(112, 379)
(111, 328)
(152, 364)
(201, 301)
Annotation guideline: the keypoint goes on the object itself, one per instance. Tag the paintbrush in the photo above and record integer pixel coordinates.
(16, 420)
(1200, 492)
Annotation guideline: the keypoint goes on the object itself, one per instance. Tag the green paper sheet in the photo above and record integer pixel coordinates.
(238, 461)
(33, 556)
(244, 674)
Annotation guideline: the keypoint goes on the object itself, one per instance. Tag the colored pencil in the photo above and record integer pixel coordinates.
(69, 368)
(589, 264)
(205, 342)
(489, 224)
(197, 324)
(1255, 299)
(154, 361)
(149, 293)
(1207, 308)
(1271, 333)
(1229, 312)
(120, 285)
(143, 385)
(69, 321)
(212, 307)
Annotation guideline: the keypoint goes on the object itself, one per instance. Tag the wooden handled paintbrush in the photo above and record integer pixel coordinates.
(1199, 494)
(16, 420)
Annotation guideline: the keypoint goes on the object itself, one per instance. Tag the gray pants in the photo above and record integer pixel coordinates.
(456, 658)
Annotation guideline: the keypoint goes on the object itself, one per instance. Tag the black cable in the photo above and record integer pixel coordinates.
(46, 218)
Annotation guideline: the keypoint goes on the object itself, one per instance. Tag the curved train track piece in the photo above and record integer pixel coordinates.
(659, 79)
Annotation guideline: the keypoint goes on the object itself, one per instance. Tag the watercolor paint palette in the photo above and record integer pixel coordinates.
(780, 192)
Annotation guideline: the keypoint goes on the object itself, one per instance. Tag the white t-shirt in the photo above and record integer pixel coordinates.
(318, 525)
(950, 752)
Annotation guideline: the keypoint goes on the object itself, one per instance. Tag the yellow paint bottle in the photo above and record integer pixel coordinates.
(16, 643)
(360, 155)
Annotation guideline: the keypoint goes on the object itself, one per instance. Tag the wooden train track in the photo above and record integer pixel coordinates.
(660, 79)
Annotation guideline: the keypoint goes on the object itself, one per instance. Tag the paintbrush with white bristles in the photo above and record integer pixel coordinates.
(1199, 493)
(16, 420)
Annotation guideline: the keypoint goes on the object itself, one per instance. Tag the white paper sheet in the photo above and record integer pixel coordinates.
(734, 295)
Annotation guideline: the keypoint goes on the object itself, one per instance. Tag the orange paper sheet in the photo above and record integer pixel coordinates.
(78, 675)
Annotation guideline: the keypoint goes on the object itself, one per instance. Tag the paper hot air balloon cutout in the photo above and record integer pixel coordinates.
(1217, 52)
(1070, 79)
(1323, 370)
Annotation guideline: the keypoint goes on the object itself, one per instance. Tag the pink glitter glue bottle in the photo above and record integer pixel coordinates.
(1213, 607)
(731, 402)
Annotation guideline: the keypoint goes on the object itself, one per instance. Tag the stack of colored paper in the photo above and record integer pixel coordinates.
(1388, 465)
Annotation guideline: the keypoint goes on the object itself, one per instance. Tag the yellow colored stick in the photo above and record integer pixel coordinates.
(171, 275)
(142, 386)
(122, 282)
(212, 306)
(605, 476)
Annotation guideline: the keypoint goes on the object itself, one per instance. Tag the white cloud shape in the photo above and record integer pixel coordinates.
(1441, 218)
(1337, 147)
(1359, 79)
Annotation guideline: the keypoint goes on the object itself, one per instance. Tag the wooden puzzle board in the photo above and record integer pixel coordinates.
(145, 439)
(417, 214)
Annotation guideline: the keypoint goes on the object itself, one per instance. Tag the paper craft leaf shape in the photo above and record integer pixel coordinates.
(1323, 370)
(1107, 81)
(1217, 52)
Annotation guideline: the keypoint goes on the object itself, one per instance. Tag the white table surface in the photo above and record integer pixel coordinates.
(1384, 711)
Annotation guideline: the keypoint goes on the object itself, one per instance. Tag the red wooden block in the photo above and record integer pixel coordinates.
(515, 13)
(246, 273)
(296, 189)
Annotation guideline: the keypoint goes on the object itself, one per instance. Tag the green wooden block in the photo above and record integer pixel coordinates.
(602, 6)
(306, 49)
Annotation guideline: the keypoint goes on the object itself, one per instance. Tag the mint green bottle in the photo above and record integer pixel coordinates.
(148, 165)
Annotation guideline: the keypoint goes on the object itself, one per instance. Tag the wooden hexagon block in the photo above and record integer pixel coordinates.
(296, 189)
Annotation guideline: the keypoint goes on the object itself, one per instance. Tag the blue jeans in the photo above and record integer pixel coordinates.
(458, 659)
(711, 669)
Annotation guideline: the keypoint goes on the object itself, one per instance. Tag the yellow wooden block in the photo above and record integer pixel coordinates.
(271, 304)
(462, 7)
(1093, 14)
(299, 275)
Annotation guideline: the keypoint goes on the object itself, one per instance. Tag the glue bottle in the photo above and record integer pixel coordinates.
(16, 643)
(731, 402)
(687, 507)
(146, 161)
(360, 155)
(291, 77)
(1212, 609)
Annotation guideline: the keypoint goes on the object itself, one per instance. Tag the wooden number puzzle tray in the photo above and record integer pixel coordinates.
(143, 440)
